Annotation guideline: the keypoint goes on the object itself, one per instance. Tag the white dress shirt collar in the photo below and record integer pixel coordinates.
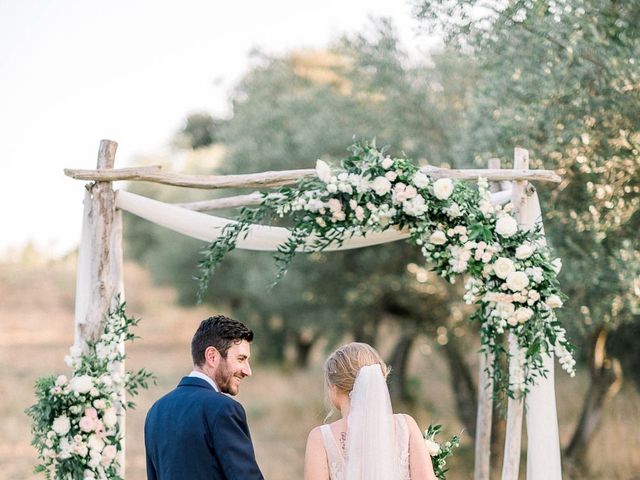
(204, 377)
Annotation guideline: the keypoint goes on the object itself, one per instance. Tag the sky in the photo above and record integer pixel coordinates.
(75, 72)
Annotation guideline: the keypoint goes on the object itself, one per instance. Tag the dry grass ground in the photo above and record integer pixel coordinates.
(36, 319)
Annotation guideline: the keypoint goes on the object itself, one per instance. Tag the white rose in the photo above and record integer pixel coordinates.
(432, 447)
(48, 453)
(557, 265)
(108, 454)
(523, 314)
(524, 251)
(359, 211)
(443, 188)
(323, 170)
(86, 424)
(438, 238)
(387, 163)
(61, 425)
(81, 384)
(504, 309)
(517, 281)
(420, 180)
(82, 449)
(94, 458)
(75, 409)
(75, 351)
(332, 188)
(65, 448)
(334, 205)
(391, 176)
(536, 274)
(110, 418)
(554, 301)
(503, 267)
(95, 443)
(381, 186)
(453, 211)
(506, 226)
(415, 207)
(61, 380)
(89, 475)
(534, 296)
(338, 216)
(513, 321)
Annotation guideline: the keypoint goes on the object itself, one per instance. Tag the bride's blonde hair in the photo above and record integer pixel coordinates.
(341, 368)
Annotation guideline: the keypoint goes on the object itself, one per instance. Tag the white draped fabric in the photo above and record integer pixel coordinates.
(543, 441)
(83, 273)
(259, 237)
(543, 457)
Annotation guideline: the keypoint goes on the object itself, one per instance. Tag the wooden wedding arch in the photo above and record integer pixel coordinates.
(100, 280)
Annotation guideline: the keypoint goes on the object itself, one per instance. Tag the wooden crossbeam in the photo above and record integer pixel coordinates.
(286, 177)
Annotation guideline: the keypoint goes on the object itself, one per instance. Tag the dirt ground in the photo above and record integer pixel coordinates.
(36, 320)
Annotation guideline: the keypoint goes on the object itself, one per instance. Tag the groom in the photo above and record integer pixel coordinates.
(195, 431)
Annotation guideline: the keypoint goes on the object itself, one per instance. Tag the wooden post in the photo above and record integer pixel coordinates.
(482, 459)
(515, 406)
(100, 287)
(100, 272)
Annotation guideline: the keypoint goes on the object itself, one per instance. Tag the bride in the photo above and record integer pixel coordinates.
(369, 442)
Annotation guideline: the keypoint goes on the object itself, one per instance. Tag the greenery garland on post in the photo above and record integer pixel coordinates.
(511, 275)
(75, 420)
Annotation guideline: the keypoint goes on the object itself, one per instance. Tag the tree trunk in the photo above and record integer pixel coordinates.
(399, 361)
(303, 345)
(365, 332)
(462, 385)
(606, 380)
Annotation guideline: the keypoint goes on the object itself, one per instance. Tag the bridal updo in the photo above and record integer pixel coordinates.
(341, 368)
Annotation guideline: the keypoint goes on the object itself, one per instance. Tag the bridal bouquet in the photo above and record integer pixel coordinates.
(439, 451)
(75, 420)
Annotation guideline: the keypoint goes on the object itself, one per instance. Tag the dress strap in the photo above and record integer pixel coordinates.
(334, 456)
(402, 429)
(330, 443)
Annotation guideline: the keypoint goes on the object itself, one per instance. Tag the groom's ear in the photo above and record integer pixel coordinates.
(210, 355)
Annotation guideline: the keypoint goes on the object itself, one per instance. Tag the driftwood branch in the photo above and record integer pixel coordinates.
(249, 200)
(286, 177)
(251, 180)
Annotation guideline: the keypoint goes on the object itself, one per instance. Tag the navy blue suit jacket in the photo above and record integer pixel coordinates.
(196, 433)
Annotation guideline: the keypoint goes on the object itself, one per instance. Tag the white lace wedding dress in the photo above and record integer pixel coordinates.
(336, 458)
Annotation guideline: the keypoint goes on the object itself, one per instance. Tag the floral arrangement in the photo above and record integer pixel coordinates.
(75, 421)
(511, 274)
(439, 451)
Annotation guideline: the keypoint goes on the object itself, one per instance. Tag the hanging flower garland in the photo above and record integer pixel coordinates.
(511, 274)
(75, 420)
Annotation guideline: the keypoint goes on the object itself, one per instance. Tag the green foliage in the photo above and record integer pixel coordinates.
(561, 79)
(75, 421)
(439, 452)
(513, 277)
(200, 130)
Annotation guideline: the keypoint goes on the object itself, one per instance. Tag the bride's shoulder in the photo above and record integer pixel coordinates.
(411, 423)
(315, 435)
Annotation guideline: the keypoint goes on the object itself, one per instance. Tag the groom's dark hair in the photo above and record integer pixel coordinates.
(219, 332)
